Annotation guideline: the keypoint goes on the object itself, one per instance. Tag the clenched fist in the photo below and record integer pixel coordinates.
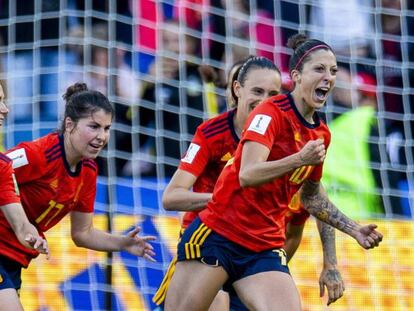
(313, 153)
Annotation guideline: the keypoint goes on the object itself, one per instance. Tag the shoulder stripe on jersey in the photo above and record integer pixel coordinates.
(279, 100)
(217, 131)
(214, 126)
(91, 164)
(53, 157)
(5, 158)
(52, 149)
(283, 103)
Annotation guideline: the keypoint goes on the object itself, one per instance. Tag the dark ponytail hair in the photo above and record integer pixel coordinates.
(82, 102)
(302, 49)
(251, 63)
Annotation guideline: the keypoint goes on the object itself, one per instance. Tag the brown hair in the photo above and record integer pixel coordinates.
(81, 103)
(302, 49)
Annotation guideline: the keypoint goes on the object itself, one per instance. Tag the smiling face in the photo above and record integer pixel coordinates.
(3, 108)
(86, 137)
(317, 79)
(259, 84)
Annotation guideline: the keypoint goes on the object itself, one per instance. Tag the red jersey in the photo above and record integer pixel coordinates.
(214, 143)
(254, 217)
(49, 190)
(8, 193)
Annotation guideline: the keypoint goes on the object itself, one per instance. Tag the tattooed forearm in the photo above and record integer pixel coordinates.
(327, 235)
(196, 205)
(317, 203)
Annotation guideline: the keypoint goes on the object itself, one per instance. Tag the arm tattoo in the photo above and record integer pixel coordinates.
(327, 235)
(318, 204)
(196, 205)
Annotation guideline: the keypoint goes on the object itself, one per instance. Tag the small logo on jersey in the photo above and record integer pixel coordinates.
(226, 157)
(191, 153)
(1, 279)
(260, 123)
(16, 186)
(18, 157)
(297, 136)
(54, 184)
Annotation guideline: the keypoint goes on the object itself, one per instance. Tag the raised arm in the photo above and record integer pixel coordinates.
(316, 202)
(255, 170)
(179, 197)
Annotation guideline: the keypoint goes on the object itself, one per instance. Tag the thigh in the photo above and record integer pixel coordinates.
(194, 286)
(220, 302)
(9, 300)
(267, 291)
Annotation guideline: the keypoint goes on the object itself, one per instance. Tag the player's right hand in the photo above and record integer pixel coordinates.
(313, 153)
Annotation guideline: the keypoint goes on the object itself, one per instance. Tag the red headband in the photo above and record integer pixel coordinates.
(310, 50)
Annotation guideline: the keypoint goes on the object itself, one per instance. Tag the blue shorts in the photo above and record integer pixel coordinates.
(203, 244)
(10, 273)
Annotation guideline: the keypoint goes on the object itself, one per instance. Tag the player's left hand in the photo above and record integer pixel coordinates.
(37, 243)
(139, 246)
(368, 237)
(331, 279)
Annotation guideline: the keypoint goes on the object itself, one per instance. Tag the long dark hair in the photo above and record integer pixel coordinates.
(302, 49)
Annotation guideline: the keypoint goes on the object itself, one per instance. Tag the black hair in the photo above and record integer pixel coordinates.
(82, 102)
(252, 62)
(302, 48)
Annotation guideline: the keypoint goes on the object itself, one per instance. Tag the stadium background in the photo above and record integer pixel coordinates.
(144, 55)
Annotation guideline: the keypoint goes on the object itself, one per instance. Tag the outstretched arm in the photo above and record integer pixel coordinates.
(178, 195)
(317, 203)
(330, 276)
(85, 235)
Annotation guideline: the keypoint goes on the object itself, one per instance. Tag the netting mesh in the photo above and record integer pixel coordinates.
(145, 55)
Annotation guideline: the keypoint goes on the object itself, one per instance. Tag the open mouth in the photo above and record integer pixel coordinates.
(321, 93)
(96, 146)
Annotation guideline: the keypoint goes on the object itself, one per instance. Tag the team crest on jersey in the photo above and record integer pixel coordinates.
(1, 279)
(54, 184)
(297, 136)
(191, 153)
(260, 123)
(18, 157)
(226, 157)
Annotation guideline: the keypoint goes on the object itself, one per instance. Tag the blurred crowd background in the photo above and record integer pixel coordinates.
(145, 55)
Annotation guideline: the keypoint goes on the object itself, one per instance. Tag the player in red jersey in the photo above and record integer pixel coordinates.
(237, 240)
(57, 175)
(213, 145)
(20, 227)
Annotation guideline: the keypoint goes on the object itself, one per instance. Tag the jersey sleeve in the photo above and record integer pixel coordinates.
(197, 155)
(262, 126)
(28, 161)
(87, 195)
(8, 186)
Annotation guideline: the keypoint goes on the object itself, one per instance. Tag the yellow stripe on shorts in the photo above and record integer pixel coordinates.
(192, 248)
(161, 293)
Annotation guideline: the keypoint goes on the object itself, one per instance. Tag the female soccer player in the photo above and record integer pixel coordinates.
(213, 145)
(237, 239)
(19, 226)
(57, 175)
